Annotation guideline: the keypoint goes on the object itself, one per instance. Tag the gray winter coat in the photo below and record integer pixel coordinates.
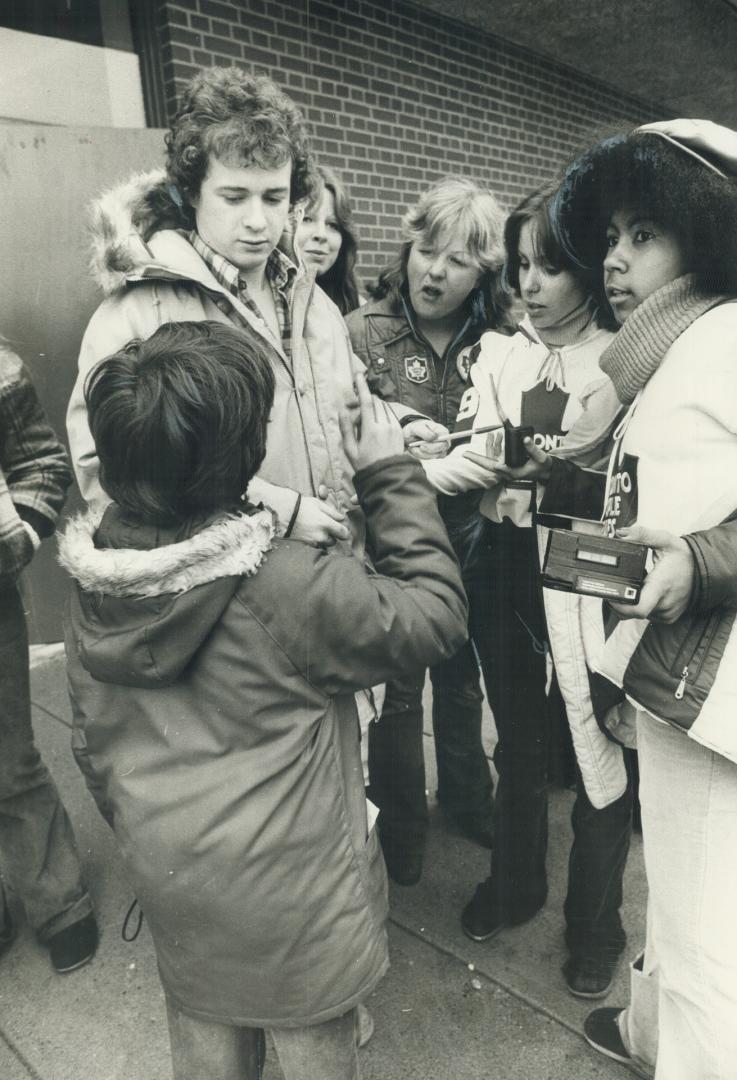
(213, 672)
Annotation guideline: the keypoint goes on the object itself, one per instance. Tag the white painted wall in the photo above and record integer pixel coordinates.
(46, 80)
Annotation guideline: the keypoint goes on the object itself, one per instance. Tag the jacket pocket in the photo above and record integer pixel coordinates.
(380, 379)
(694, 650)
(674, 667)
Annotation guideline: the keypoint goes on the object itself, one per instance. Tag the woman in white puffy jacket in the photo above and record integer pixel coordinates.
(547, 377)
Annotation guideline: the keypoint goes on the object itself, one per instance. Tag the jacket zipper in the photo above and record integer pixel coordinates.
(681, 688)
(705, 638)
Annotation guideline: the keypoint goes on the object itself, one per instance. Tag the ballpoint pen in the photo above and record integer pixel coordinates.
(458, 436)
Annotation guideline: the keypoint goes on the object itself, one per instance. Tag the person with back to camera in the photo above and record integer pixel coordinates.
(207, 240)
(430, 307)
(658, 209)
(326, 240)
(215, 666)
(38, 853)
(546, 376)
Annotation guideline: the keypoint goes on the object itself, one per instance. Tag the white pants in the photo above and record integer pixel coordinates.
(684, 1000)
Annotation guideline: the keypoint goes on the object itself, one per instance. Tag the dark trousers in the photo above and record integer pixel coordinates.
(37, 851)
(396, 752)
(512, 636)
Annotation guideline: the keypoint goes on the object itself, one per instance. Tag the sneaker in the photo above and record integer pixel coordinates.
(590, 976)
(73, 946)
(481, 919)
(601, 1031)
(364, 1026)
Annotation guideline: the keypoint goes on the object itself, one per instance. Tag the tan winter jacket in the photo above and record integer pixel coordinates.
(152, 275)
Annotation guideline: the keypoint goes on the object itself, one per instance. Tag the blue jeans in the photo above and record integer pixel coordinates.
(37, 849)
(220, 1052)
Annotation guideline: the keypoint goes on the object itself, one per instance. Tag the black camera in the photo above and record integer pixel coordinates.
(515, 452)
(595, 566)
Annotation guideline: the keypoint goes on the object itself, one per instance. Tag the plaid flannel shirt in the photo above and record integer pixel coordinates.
(280, 274)
(34, 468)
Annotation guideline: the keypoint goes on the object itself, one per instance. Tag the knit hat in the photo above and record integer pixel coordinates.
(711, 144)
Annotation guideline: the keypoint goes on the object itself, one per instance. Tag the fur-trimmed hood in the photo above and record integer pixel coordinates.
(146, 599)
(134, 233)
(122, 220)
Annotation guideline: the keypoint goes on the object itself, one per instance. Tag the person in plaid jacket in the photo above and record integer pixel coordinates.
(38, 856)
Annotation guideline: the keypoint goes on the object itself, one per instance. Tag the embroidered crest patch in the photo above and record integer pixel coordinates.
(416, 369)
(464, 360)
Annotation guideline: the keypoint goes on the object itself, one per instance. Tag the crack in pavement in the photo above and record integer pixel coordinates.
(519, 995)
(19, 1056)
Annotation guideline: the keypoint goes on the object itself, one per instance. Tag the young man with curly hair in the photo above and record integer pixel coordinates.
(206, 239)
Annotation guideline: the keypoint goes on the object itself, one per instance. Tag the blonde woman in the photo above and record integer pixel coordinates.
(430, 306)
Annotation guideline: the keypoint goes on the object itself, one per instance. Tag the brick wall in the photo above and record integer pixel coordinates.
(397, 97)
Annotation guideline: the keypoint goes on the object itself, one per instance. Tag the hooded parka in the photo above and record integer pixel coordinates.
(150, 275)
(212, 669)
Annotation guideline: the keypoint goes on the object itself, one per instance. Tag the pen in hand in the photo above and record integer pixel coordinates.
(458, 436)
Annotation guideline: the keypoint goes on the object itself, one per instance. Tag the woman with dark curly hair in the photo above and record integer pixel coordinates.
(657, 209)
(326, 240)
(208, 239)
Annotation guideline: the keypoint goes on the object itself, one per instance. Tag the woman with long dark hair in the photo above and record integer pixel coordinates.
(546, 377)
(325, 238)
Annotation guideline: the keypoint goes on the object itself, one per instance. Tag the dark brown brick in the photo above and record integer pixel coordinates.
(257, 22)
(176, 16)
(332, 104)
(176, 52)
(223, 45)
(262, 56)
(229, 12)
(397, 96)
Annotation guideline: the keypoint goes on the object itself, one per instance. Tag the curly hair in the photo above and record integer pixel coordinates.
(648, 175)
(240, 119)
(459, 204)
(536, 209)
(180, 420)
(340, 282)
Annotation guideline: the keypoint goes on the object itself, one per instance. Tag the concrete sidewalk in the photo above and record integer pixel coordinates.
(507, 1018)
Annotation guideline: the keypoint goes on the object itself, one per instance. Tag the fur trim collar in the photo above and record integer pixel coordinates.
(121, 221)
(125, 218)
(233, 546)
